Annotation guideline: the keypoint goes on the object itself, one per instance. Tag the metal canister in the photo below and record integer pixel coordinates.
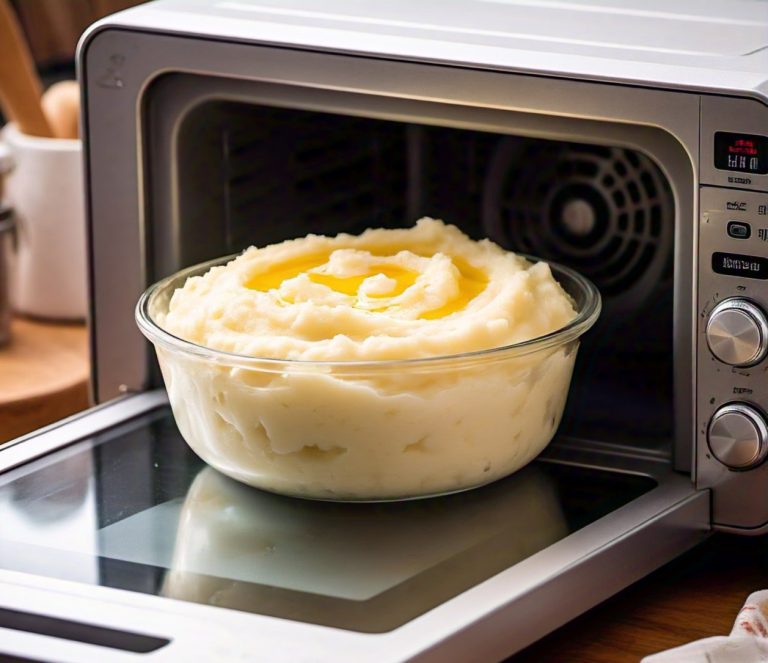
(6, 255)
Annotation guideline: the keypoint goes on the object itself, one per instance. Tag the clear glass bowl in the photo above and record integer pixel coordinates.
(374, 430)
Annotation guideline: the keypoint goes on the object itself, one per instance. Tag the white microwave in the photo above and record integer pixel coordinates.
(628, 141)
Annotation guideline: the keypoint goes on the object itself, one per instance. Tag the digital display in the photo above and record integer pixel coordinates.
(744, 153)
(735, 264)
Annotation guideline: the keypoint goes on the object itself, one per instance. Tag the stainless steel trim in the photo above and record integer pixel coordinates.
(581, 585)
(77, 427)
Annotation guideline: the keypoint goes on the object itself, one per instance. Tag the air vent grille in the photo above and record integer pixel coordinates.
(605, 211)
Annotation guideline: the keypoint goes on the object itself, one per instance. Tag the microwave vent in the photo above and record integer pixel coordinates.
(605, 211)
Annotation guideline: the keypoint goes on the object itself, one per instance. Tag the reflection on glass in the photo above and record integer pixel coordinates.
(230, 536)
(133, 508)
(55, 502)
(60, 490)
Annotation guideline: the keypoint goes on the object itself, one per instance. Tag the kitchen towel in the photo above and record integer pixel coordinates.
(747, 643)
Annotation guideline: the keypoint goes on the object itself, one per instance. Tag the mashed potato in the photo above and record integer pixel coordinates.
(386, 294)
(369, 431)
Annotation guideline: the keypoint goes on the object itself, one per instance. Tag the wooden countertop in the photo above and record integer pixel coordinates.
(695, 596)
(43, 377)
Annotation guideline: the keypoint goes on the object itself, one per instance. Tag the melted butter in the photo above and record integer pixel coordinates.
(273, 279)
(472, 281)
(350, 285)
(346, 285)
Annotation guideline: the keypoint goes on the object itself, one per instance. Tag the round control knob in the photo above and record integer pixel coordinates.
(737, 332)
(738, 436)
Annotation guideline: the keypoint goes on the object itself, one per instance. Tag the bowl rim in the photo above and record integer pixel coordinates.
(585, 318)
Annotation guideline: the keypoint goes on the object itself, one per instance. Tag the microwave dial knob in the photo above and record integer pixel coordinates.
(738, 436)
(737, 332)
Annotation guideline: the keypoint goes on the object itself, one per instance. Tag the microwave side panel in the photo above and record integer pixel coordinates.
(734, 193)
(118, 68)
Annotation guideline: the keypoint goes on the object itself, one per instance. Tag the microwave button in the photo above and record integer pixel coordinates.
(738, 436)
(737, 332)
(739, 230)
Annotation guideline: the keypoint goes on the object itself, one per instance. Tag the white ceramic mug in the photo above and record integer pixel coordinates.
(45, 189)
(6, 250)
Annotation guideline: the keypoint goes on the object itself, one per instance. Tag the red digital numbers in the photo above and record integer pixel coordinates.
(743, 146)
(745, 153)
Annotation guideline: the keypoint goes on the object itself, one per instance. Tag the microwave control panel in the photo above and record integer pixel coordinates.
(732, 355)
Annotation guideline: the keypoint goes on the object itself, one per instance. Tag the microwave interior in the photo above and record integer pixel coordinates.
(132, 507)
(244, 173)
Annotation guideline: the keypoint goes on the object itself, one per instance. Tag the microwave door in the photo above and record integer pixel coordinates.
(116, 538)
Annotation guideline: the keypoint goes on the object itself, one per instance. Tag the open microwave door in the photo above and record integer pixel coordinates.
(116, 539)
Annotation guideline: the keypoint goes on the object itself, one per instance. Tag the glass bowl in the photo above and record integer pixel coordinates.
(368, 430)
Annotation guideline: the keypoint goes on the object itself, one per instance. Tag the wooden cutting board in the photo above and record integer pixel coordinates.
(44, 374)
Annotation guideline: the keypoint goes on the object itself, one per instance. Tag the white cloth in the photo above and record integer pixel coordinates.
(747, 643)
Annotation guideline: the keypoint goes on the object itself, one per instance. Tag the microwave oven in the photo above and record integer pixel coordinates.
(628, 141)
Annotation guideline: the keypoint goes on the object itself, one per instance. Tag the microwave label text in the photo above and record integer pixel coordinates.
(735, 264)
